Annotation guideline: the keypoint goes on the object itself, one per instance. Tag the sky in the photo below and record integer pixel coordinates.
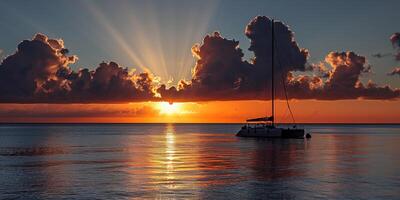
(154, 40)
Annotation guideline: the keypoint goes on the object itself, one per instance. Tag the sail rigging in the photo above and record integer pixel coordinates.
(272, 73)
(270, 131)
(275, 47)
(287, 100)
(272, 118)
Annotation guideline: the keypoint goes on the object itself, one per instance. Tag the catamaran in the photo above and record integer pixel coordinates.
(265, 126)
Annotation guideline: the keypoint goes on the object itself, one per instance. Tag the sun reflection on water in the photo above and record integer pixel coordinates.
(181, 161)
(170, 156)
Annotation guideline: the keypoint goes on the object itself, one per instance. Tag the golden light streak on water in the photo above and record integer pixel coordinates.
(196, 161)
(170, 155)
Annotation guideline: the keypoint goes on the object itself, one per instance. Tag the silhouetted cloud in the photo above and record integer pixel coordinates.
(38, 72)
(35, 64)
(343, 81)
(395, 39)
(221, 74)
(395, 71)
(109, 83)
(381, 55)
(218, 73)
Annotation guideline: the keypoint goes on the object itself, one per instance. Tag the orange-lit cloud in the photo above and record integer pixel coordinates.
(395, 71)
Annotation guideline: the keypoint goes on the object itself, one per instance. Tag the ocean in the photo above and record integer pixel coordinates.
(196, 161)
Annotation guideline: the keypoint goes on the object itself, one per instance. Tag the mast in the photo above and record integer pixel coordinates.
(272, 73)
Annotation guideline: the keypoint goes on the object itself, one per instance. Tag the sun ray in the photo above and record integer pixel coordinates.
(142, 35)
(116, 36)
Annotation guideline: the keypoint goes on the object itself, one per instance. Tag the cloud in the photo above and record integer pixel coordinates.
(218, 73)
(39, 72)
(259, 33)
(33, 65)
(381, 55)
(222, 74)
(343, 81)
(395, 39)
(395, 71)
(108, 83)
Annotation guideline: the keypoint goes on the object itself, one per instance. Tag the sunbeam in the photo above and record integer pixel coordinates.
(116, 36)
(142, 35)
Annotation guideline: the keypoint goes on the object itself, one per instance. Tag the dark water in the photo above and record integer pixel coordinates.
(168, 161)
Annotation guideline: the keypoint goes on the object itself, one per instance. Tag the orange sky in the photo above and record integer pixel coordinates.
(305, 111)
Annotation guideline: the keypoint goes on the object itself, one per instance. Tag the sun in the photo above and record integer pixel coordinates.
(169, 108)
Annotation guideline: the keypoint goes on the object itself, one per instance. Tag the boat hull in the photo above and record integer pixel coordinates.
(266, 132)
(260, 132)
(293, 133)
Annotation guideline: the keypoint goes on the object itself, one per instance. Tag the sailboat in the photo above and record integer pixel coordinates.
(264, 127)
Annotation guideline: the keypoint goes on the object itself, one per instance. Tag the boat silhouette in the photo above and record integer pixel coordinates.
(264, 127)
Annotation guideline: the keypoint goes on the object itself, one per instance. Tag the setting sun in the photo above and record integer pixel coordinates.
(169, 108)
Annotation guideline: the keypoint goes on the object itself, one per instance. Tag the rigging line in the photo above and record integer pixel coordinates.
(287, 101)
(284, 86)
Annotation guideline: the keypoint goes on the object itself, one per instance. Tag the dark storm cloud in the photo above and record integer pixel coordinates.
(221, 74)
(38, 72)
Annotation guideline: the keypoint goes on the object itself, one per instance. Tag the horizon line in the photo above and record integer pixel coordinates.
(178, 123)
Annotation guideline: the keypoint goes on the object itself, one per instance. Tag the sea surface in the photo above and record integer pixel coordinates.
(196, 161)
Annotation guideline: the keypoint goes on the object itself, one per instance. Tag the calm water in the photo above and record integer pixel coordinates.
(174, 161)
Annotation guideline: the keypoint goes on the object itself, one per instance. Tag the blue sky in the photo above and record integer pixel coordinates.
(159, 34)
